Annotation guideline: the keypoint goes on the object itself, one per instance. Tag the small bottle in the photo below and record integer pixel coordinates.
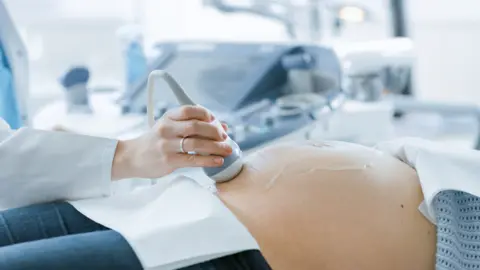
(135, 61)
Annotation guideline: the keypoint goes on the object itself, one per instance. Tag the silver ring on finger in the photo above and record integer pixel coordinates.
(182, 150)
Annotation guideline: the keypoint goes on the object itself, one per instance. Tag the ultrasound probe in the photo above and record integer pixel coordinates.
(233, 163)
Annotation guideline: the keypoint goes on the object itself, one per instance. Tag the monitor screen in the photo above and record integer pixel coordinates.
(214, 81)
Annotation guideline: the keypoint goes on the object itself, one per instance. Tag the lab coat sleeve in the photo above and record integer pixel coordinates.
(42, 166)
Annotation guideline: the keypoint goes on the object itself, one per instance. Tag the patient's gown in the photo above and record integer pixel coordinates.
(450, 180)
(458, 230)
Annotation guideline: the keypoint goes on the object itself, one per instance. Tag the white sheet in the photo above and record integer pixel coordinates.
(439, 167)
(171, 225)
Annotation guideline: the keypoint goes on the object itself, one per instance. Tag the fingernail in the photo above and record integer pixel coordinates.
(227, 147)
(224, 136)
(218, 160)
(212, 117)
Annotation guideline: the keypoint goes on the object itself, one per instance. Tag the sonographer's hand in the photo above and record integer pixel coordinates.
(159, 151)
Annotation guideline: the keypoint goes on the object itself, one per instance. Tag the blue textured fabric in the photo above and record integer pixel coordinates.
(9, 110)
(458, 231)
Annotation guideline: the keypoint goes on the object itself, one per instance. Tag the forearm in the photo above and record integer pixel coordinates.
(122, 161)
(123, 165)
(40, 166)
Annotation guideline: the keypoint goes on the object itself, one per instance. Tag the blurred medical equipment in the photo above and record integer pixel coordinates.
(76, 92)
(376, 74)
(13, 72)
(265, 92)
(247, 85)
(313, 21)
(233, 163)
(368, 70)
(371, 68)
(293, 91)
(135, 60)
(258, 89)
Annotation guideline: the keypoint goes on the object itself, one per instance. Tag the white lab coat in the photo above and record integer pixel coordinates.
(41, 166)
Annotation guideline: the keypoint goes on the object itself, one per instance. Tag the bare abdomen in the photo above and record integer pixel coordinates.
(336, 207)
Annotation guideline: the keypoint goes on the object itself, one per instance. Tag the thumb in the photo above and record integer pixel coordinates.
(188, 160)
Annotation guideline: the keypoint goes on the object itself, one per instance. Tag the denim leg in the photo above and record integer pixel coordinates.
(72, 241)
(42, 222)
(101, 250)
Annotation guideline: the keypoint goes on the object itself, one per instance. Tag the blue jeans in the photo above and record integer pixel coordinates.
(57, 236)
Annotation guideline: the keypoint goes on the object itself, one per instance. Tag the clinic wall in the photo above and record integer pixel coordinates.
(447, 40)
(190, 20)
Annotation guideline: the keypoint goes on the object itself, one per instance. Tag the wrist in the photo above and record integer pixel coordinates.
(122, 166)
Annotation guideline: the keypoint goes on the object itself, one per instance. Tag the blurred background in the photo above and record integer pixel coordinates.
(440, 38)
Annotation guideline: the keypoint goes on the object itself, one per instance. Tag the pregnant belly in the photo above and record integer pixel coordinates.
(332, 206)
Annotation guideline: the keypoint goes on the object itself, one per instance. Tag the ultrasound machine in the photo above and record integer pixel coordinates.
(264, 92)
